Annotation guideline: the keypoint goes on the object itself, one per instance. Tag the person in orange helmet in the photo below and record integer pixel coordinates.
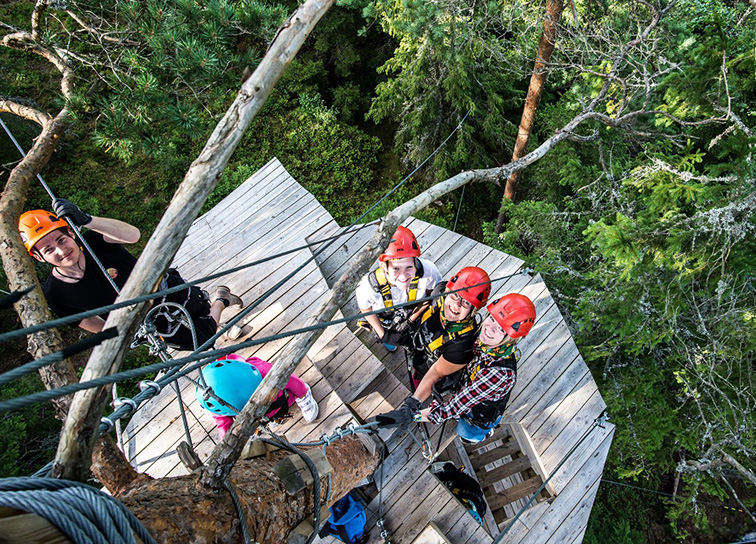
(77, 284)
(402, 276)
(482, 392)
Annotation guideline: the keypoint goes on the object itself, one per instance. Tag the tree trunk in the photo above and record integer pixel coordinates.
(180, 510)
(32, 308)
(73, 457)
(554, 10)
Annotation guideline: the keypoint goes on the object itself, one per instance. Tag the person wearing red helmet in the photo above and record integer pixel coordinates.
(481, 394)
(402, 276)
(77, 284)
(445, 329)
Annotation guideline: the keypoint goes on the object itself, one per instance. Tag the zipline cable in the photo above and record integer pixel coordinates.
(200, 358)
(81, 512)
(211, 341)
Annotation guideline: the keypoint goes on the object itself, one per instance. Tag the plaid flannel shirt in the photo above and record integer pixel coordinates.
(490, 384)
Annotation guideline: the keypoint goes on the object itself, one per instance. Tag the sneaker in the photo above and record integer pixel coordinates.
(390, 347)
(224, 293)
(308, 406)
(234, 332)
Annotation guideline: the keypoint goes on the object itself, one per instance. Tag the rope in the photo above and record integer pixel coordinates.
(265, 295)
(201, 358)
(84, 514)
(380, 523)
(239, 512)
(57, 356)
(596, 423)
(74, 318)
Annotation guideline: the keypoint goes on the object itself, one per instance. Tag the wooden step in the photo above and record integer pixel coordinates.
(480, 460)
(519, 491)
(489, 478)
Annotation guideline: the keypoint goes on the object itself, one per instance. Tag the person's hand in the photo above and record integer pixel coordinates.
(397, 333)
(401, 417)
(66, 208)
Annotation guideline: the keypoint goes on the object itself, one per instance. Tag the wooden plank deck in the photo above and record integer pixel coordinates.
(267, 214)
(555, 397)
(352, 375)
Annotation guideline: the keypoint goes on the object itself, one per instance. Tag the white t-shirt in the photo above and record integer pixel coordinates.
(368, 299)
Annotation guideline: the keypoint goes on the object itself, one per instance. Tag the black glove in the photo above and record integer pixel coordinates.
(66, 208)
(401, 417)
(397, 333)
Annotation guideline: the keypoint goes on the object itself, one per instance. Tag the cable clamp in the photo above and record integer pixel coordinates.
(380, 522)
(527, 271)
(601, 419)
(108, 423)
(327, 439)
(121, 401)
(144, 385)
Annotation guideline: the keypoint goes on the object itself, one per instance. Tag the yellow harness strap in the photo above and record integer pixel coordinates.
(447, 336)
(383, 284)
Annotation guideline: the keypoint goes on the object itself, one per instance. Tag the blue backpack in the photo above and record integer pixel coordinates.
(347, 521)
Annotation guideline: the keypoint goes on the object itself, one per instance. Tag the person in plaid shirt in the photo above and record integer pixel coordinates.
(484, 384)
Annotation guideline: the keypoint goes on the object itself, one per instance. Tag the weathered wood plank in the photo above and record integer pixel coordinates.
(431, 534)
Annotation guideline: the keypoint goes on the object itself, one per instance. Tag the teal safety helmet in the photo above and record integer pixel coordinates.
(231, 380)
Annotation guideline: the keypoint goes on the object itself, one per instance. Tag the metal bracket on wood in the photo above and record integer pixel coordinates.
(188, 457)
(294, 473)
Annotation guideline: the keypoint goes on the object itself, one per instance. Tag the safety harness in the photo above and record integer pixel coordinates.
(486, 413)
(452, 329)
(379, 283)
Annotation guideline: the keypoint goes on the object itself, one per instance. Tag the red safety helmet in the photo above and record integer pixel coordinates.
(471, 275)
(35, 225)
(515, 313)
(403, 244)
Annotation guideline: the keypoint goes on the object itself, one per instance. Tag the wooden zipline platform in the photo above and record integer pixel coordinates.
(555, 399)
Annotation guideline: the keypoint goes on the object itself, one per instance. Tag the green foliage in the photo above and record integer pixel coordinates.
(623, 515)
(161, 94)
(443, 68)
(28, 436)
(333, 160)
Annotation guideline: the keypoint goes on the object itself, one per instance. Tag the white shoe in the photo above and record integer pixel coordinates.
(234, 332)
(308, 406)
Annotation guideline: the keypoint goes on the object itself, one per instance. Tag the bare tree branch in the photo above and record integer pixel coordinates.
(27, 112)
(95, 32)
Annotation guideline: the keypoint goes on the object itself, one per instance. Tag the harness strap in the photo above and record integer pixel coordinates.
(447, 336)
(385, 288)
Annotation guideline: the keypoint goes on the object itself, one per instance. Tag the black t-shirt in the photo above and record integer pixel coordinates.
(93, 289)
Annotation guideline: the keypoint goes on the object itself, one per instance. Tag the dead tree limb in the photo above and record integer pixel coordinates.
(74, 452)
(223, 457)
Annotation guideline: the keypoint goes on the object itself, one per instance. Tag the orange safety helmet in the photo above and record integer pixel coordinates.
(472, 275)
(515, 313)
(36, 224)
(403, 244)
